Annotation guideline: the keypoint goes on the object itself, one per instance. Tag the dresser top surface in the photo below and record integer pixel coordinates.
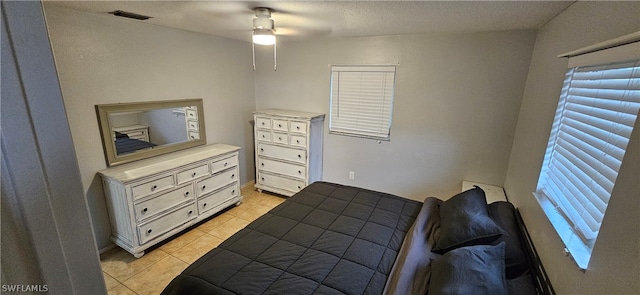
(130, 127)
(147, 167)
(288, 113)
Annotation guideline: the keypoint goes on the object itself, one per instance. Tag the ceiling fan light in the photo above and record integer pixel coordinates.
(264, 37)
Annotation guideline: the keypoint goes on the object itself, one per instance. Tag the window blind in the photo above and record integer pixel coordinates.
(596, 113)
(362, 100)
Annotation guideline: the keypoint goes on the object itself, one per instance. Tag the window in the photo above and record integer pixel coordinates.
(596, 113)
(362, 101)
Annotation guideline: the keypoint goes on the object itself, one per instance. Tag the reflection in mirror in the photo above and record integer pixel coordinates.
(140, 130)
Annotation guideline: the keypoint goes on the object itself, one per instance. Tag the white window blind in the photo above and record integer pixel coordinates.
(362, 100)
(595, 117)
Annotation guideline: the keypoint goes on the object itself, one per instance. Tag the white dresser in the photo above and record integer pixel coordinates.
(140, 132)
(152, 199)
(288, 147)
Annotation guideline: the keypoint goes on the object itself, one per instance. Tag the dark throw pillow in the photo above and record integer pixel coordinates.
(465, 221)
(477, 270)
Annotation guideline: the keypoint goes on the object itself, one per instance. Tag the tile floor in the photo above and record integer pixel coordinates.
(124, 274)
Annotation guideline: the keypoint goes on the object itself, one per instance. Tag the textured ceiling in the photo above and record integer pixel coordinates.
(312, 19)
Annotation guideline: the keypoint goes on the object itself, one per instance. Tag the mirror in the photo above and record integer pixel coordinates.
(139, 130)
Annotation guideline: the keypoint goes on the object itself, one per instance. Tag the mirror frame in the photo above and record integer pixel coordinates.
(104, 110)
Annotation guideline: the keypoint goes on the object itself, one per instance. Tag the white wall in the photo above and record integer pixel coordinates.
(47, 240)
(105, 59)
(615, 262)
(454, 115)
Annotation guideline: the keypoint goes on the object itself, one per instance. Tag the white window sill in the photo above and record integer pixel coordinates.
(577, 249)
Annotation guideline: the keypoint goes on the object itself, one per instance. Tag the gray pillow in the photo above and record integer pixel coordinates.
(477, 270)
(465, 221)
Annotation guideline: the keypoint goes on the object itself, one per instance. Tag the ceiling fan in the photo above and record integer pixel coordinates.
(264, 30)
(263, 33)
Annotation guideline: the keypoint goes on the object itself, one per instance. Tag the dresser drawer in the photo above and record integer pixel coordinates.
(264, 123)
(285, 153)
(156, 185)
(298, 127)
(297, 140)
(281, 138)
(139, 134)
(193, 135)
(280, 125)
(152, 229)
(209, 202)
(163, 202)
(280, 182)
(191, 114)
(263, 135)
(282, 168)
(193, 173)
(192, 125)
(217, 181)
(220, 165)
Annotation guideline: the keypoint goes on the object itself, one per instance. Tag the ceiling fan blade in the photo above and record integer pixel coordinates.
(301, 31)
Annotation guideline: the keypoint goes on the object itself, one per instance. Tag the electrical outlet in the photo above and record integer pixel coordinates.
(352, 175)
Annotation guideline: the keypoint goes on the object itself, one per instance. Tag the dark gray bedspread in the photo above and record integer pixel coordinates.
(327, 239)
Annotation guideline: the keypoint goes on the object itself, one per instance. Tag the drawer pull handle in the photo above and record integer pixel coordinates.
(194, 174)
(262, 149)
(279, 138)
(262, 178)
(233, 175)
(153, 188)
(233, 192)
(298, 127)
(186, 194)
(300, 156)
(225, 164)
(299, 187)
(298, 141)
(263, 136)
(262, 164)
(203, 187)
(144, 210)
(149, 231)
(262, 123)
(279, 125)
(204, 205)
(299, 171)
(190, 212)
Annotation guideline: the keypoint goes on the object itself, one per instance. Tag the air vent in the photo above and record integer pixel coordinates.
(123, 13)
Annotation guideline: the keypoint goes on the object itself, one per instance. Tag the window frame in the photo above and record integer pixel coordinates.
(577, 244)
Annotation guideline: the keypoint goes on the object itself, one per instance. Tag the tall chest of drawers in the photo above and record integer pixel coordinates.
(150, 200)
(288, 148)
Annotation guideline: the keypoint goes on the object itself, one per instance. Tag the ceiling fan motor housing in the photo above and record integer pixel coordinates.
(263, 19)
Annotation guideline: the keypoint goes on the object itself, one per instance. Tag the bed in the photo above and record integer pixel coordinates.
(124, 144)
(336, 239)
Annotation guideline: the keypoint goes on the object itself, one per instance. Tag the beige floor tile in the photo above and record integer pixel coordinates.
(215, 222)
(250, 197)
(109, 281)
(249, 211)
(182, 240)
(229, 228)
(120, 289)
(194, 250)
(154, 279)
(271, 200)
(121, 265)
